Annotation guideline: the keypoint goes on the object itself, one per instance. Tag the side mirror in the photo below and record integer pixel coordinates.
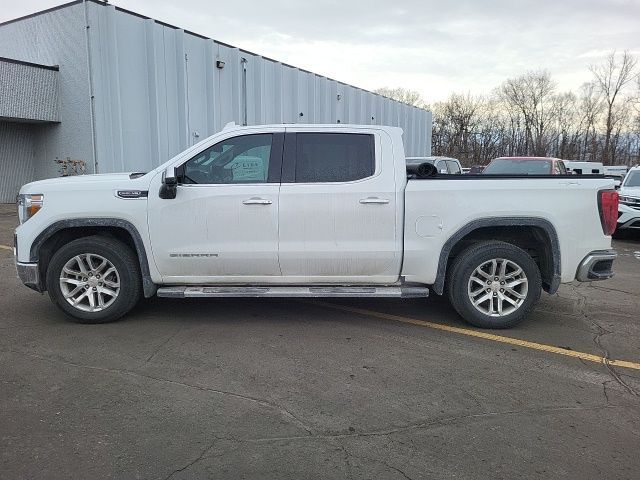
(169, 187)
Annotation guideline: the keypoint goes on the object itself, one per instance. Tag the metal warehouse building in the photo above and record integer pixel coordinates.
(91, 82)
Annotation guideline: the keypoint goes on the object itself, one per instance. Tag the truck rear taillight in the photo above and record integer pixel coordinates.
(608, 207)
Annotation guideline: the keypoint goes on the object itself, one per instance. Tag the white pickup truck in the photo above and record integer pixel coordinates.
(311, 211)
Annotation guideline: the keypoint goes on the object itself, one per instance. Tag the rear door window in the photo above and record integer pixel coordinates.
(334, 157)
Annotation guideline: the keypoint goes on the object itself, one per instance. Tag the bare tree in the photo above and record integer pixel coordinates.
(612, 76)
(457, 118)
(404, 95)
(567, 131)
(590, 107)
(532, 95)
(526, 116)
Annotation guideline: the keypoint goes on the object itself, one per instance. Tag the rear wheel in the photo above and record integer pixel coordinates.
(94, 279)
(494, 284)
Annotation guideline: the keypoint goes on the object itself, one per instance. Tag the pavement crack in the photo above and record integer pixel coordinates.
(601, 332)
(604, 391)
(193, 462)
(396, 469)
(346, 460)
(375, 460)
(609, 289)
(581, 306)
(580, 303)
(259, 401)
(162, 345)
(429, 423)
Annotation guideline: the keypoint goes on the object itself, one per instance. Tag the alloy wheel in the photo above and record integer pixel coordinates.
(498, 287)
(89, 282)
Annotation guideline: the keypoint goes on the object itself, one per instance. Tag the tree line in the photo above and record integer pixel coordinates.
(528, 116)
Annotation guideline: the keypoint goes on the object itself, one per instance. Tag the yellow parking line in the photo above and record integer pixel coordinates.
(487, 336)
(4, 247)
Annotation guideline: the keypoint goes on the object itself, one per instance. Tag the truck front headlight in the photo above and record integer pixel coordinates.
(631, 201)
(28, 205)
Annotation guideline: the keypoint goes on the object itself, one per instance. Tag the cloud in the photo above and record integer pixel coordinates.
(434, 47)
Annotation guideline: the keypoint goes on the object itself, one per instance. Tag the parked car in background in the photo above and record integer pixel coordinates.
(629, 207)
(616, 170)
(443, 164)
(616, 178)
(585, 168)
(476, 169)
(525, 166)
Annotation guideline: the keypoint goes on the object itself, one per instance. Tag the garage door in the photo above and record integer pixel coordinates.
(16, 158)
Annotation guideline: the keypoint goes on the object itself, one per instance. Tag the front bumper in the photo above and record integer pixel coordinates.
(628, 217)
(598, 265)
(29, 274)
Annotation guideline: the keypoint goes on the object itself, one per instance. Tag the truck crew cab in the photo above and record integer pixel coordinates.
(311, 211)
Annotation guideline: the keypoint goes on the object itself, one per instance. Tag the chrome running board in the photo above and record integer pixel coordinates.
(287, 291)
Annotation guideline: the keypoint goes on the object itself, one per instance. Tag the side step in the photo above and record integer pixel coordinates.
(286, 291)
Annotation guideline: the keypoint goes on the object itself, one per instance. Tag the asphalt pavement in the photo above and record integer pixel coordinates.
(292, 389)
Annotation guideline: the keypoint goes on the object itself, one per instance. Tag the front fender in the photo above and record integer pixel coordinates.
(34, 254)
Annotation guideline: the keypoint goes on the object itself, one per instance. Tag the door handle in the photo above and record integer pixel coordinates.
(257, 201)
(374, 200)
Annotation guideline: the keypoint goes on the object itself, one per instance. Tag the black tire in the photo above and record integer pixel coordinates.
(464, 265)
(125, 263)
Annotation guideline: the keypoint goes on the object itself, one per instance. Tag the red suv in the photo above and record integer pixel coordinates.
(526, 166)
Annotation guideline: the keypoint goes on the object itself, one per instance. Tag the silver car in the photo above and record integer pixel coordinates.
(443, 164)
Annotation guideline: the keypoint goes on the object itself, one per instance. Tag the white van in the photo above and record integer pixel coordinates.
(620, 170)
(584, 168)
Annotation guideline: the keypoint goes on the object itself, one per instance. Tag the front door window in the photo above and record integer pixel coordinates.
(243, 159)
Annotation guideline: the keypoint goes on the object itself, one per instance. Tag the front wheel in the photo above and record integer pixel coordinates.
(494, 284)
(94, 279)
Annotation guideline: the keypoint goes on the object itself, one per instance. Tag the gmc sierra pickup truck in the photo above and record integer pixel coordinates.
(311, 211)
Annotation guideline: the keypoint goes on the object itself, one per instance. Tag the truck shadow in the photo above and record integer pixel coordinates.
(277, 310)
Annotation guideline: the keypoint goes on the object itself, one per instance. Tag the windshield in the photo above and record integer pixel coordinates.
(633, 179)
(512, 166)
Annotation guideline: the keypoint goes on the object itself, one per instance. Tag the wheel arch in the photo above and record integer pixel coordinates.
(536, 235)
(58, 233)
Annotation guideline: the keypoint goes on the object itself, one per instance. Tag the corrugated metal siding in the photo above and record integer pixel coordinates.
(17, 148)
(57, 38)
(157, 91)
(28, 92)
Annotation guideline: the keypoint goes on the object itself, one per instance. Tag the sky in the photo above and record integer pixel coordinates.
(436, 48)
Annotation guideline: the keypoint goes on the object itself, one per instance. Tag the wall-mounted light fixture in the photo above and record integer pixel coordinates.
(220, 64)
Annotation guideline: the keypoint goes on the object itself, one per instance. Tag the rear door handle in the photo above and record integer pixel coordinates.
(374, 200)
(257, 201)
